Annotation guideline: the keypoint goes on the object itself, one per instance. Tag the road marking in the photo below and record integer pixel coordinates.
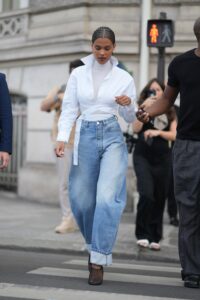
(119, 277)
(130, 266)
(45, 293)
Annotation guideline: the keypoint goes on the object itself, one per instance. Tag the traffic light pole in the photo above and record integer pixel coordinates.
(161, 64)
(144, 51)
(160, 34)
(161, 56)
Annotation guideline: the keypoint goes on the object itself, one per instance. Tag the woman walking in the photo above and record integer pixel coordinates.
(152, 163)
(97, 185)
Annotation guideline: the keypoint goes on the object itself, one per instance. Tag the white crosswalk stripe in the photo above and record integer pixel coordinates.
(42, 293)
(130, 266)
(119, 277)
(77, 268)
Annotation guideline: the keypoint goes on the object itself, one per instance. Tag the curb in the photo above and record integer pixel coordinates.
(116, 255)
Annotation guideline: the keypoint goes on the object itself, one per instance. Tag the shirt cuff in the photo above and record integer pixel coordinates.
(62, 137)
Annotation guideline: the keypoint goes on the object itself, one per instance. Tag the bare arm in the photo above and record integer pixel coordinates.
(50, 100)
(161, 106)
(169, 135)
(137, 126)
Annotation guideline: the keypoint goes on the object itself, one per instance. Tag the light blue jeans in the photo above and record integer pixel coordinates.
(97, 186)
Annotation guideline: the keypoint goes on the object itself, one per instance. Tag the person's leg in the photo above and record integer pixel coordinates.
(83, 181)
(68, 223)
(171, 201)
(111, 200)
(161, 177)
(64, 166)
(145, 187)
(189, 238)
(88, 183)
(187, 192)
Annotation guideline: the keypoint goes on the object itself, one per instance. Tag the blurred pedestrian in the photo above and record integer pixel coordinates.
(152, 162)
(184, 77)
(53, 102)
(98, 176)
(5, 123)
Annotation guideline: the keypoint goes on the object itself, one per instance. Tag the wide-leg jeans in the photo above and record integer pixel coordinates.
(97, 186)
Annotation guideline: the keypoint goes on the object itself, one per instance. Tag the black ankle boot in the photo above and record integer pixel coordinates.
(96, 275)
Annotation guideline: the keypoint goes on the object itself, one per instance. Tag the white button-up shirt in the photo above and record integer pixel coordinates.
(79, 102)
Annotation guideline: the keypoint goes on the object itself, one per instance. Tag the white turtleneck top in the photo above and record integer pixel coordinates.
(90, 95)
(99, 72)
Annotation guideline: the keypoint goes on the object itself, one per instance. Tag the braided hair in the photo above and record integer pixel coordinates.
(103, 32)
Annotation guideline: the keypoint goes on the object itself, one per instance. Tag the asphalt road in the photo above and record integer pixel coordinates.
(33, 275)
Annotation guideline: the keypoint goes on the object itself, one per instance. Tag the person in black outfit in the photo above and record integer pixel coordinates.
(152, 162)
(184, 77)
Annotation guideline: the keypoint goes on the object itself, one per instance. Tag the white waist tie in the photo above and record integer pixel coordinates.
(76, 140)
(88, 115)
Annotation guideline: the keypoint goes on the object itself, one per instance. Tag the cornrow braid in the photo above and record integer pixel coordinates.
(103, 32)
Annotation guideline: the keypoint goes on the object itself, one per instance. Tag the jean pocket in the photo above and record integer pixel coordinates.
(114, 126)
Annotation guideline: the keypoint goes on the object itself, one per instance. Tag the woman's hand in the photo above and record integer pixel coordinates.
(142, 115)
(123, 100)
(4, 159)
(60, 149)
(150, 133)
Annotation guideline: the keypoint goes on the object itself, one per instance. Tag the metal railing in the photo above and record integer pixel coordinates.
(9, 176)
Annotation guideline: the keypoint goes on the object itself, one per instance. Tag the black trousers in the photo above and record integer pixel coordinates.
(171, 201)
(186, 163)
(152, 185)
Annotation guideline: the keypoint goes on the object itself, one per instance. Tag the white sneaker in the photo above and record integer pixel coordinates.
(67, 225)
(154, 246)
(143, 243)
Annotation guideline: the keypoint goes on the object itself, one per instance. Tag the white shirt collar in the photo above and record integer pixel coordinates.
(89, 59)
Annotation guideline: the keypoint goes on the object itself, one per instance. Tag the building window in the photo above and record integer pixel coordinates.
(10, 5)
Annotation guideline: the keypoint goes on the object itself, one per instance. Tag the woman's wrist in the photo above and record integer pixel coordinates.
(129, 102)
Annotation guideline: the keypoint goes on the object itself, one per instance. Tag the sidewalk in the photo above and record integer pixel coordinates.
(27, 225)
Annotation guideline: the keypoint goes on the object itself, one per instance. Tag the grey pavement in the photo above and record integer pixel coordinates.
(29, 225)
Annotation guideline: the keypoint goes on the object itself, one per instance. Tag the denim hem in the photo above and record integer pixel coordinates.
(88, 246)
(100, 259)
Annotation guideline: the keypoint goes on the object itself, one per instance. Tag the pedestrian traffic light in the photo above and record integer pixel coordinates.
(160, 33)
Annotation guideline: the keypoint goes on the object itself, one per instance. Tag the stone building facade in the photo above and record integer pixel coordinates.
(38, 40)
